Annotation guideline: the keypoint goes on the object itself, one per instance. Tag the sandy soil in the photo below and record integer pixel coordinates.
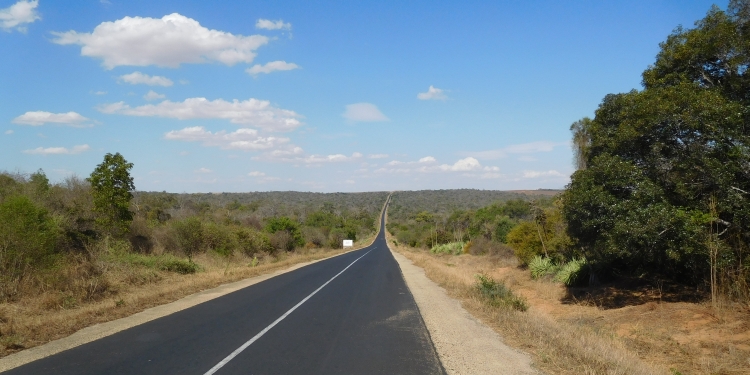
(464, 344)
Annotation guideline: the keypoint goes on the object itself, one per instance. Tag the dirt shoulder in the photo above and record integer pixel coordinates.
(464, 344)
(569, 335)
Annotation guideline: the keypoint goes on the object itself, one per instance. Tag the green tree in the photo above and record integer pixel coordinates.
(286, 224)
(112, 190)
(654, 158)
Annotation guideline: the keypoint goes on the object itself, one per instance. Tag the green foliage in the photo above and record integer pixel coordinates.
(502, 227)
(112, 191)
(541, 266)
(497, 294)
(286, 224)
(252, 242)
(655, 158)
(454, 248)
(524, 239)
(190, 237)
(573, 272)
(220, 239)
(28, 236)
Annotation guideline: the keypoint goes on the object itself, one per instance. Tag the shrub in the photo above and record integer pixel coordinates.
(524, 238)
(541, 266)
(219, 238)
(497, 294)
(454, 248)
(189, 236)
(282, 240)
(251, 241)
(286, 224)
(573, 272)
(28, 236)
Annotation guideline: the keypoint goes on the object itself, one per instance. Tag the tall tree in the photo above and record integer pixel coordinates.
(112, 189)
(656, 158)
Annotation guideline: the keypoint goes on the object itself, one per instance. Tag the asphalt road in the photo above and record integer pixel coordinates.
(362, 321)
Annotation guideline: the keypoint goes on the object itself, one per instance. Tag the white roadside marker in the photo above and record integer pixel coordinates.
(261, 333)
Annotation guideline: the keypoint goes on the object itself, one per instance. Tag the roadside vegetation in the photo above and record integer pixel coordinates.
(68, 247)
(642, 263)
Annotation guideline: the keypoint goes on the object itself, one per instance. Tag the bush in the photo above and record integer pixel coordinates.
(189, 236)
(28, 236)
(219, 238)
(497, 294)
(251, 242)
(285, 224)
(573, 272)
(524, 239)
(454, 248)
(282, 240)
(541, 266)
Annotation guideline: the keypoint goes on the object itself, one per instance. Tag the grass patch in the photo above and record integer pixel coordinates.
(164, 262)
(454, 248)
(495, 293)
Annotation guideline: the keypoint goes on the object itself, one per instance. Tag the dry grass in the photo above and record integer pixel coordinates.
(568, 336)
(119, 289)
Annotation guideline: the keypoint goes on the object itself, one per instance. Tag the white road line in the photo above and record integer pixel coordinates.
(261, 333)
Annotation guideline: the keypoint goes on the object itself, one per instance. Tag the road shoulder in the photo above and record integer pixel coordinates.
(464, 344)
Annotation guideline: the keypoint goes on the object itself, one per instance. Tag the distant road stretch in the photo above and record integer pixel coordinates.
(351, 314)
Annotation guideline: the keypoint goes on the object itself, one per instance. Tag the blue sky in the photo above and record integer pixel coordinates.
(317, 96)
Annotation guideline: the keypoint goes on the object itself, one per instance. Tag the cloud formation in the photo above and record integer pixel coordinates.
(363, 112)
(38, 118)
(524, 148)
(18, 15)
(427, 164)
(153, 95)
(168, 42)
(272, 66)
(58, 150)
(251, 112)
(138, 78)
(273, 25)
(319, 159)
(433, 93)
(241, 139)
(537, 174)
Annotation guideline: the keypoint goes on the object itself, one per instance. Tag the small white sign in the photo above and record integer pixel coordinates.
(348, 243)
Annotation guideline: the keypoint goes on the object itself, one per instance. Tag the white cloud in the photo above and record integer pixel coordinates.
(58, 150)
(463, 165)
(312, 159)
(9, 131)
(152, 95)
(363, 112)
(425, 165)
(19, 14)
(251, 112)
(37, 118)
(168, 41)
(272, 66)
(427, 159)
(524, 148)
(537, 174)
(138, 78)
(242, 139)
(273, 25)
(256, 174)
(100, 93)
(377, 156)
(433, 93)
(203, 170)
